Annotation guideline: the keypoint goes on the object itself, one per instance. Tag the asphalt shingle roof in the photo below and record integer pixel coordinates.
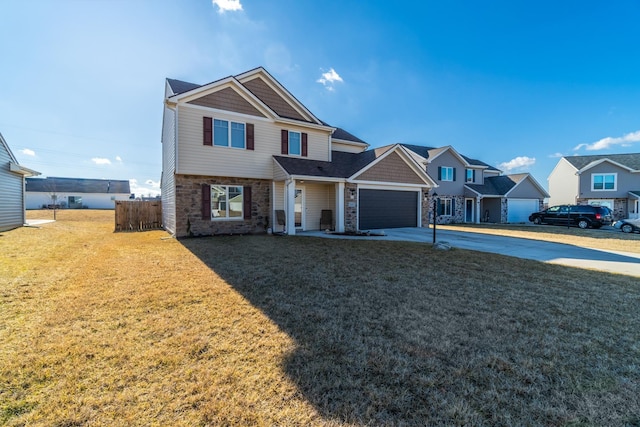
(631, 160)
(497, 185)
(426, 152)
(342, 165)
(77, 185)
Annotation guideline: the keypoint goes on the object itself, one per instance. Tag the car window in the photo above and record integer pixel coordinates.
(564, 209)
(553, 209)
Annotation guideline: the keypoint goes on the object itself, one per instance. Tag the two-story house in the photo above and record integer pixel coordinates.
(241, 152)
(611, 180)
(469, 190)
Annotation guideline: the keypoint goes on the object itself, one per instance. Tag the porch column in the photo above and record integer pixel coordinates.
(340, 207)
(290, 207)
(478, 210)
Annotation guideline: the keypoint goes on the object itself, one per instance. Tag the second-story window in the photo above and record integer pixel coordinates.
(228, 134)
(446, 173)
(295, 146)
(603, 181)
(470, 175)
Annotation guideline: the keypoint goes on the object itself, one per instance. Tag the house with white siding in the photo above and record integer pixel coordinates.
(12, 182)
(75, 193)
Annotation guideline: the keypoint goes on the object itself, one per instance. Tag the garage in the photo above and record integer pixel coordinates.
(518, 210)
(387, 209)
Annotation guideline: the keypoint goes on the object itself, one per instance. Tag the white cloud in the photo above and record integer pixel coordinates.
(608, 142)
(101, 161)
(151, 189)
(227, 5)
(519, 163)
(28, 152)
(556, 155)
(329, 78)
(119, 159)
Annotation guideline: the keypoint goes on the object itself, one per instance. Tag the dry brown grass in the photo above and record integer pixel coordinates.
(98, 328)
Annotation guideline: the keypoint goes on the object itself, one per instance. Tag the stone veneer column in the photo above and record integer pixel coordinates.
(351, 207)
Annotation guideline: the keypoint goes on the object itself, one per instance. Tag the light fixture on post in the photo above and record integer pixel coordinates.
(435, 214)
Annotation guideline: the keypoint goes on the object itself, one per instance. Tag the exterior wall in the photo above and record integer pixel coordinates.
(11, 194)
(452, 188)
(189, 220)
(563, 184)
(36, 199)
(167, 179)
(198, 159)
(391, 169)
(270, 97)
(350, 207)
(425, 212)
(526, 190)
(347, 148)
(317, 198)
(626, 181)
(491, 207)
(227, 99)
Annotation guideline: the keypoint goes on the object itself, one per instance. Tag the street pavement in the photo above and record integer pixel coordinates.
(555, 253)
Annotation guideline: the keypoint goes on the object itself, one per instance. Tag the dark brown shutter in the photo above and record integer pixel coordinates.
(474, 175)
(454, 173)
(207, 131)
(304, 144)
(284, 142)
(249, 136)
(246, 202)
(439, 173)
(206, 201)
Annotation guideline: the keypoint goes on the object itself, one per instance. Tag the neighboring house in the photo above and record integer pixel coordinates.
(611, 180)
(75, 193)
(239, 150)
(12, 176)
(472, 191)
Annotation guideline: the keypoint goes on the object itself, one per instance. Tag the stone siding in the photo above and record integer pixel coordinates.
(350, 207)
(189, 220)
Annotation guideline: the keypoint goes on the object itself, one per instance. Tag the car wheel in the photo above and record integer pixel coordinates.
(537, 220)
(583, 223)
(627, 228)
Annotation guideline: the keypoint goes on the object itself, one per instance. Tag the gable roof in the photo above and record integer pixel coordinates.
(344, 165)
(631, 160)
(78, 185)
(503, 184)
(429, 153)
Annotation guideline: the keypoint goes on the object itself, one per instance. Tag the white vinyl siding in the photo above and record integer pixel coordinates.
(563, 184)
(194, 158)
(11, 193)
(35, 199)
(317, 198)
(168, 181)
(347, 148)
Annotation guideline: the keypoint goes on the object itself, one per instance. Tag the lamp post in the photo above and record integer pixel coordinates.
(435, 214)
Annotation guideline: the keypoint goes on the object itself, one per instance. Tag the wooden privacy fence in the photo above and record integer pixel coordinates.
(138, 215)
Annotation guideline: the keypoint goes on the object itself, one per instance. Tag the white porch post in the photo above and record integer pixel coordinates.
(340, 207)
(478, 210)
(290, 207)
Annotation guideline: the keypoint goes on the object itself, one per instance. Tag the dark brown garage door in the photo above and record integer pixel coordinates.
(387, 209)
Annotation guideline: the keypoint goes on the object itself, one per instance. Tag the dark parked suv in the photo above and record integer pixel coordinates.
(583, 216)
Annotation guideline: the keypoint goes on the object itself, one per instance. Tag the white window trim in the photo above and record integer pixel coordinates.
(442, 174)
(615, 182)
(244, 142)
(466, 175)
(442, 202)
(226, 218)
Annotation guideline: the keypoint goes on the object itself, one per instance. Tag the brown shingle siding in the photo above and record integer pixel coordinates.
(227, 99)
(267, 95)
(391, 169)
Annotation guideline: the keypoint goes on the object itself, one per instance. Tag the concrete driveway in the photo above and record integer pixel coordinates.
(554, 253)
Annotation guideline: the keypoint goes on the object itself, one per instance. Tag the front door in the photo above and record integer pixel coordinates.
(298, 209)
(469, 210)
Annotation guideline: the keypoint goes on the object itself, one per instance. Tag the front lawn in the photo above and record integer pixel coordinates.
(102, 328)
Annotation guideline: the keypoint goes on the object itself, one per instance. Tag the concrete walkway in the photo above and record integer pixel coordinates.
(555, 253)
(36, 222)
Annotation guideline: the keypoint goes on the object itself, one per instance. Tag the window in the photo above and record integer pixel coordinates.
(470, 175)
(294, 143)
(445, 207)
(228, 134)
(226, 202)
(446, 173)
(603, 181)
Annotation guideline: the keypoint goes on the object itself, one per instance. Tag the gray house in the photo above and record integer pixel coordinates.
(611, 180)
(12, 177)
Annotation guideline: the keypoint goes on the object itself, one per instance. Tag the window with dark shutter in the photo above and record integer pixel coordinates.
(246, 202)
(284, 142)
(207, 131)
(250, 138)
(206, 201)
(304, 144)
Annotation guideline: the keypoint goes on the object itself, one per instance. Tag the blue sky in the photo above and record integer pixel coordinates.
(514, 84)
